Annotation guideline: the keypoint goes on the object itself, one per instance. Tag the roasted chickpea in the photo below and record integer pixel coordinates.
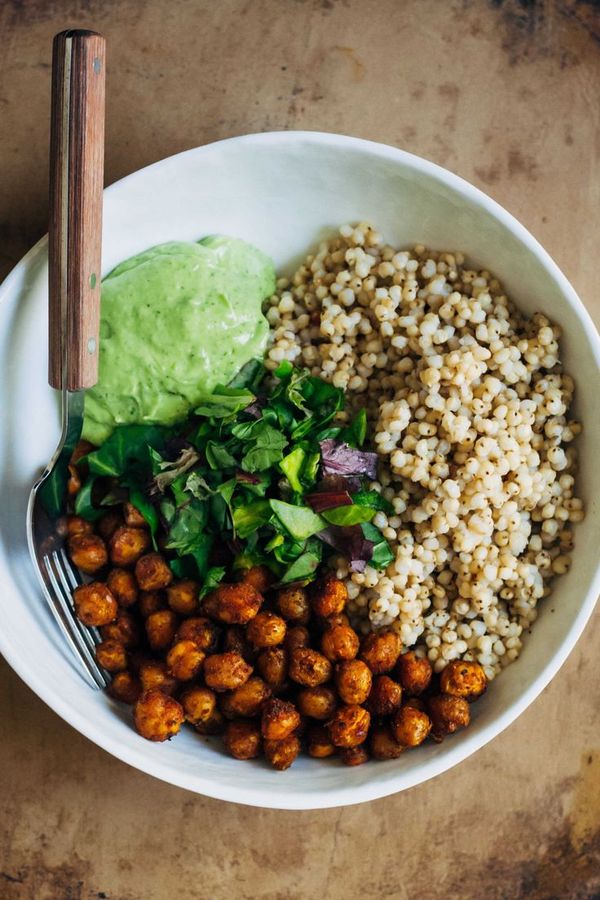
(242, 738)
(108, 524)
(273, 666)
(125, 629)
(463, 679)
(353, 756)
(152, 572)
(203, 632)
(155, 676)
(340, 642)
(416, 703)
(349, 726)
(149, 602)
(260, 577)
(447, 715)
(385, 696)
(296, 637)
(128, 544)
(94, 604)
(353, 680)
(125, 687)
(184, 660)
(233, 604)
(317, 702)
(82, 448)
(266, 630)
(199, 704)
(381, 651)
(410, 726)
(339, 619)
(236, 639)
(161, 627)
(75, 525)
(246, 700)
(182, 597)
(281, 754)
(123, 586)
(328, 596)
(133, 516)
(319, 743)
(293, 605)
(73, 481)
(157, 716)
(88, 552)
(383, 744)
(112, 656)
(226, 671)
(414, 673)
(215, 724)
(279, 719)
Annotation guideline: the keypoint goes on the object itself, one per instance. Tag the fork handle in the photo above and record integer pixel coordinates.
(75, 229)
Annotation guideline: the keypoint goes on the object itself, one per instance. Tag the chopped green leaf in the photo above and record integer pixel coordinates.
(373, 499)
(250, 375)
(213, 577)
(348, 515)
(382, 553)
(84, 506)
(291, 466)
(218, 456)
(356, 432)
(304, 568)
(127, 445)
(246, 519)
(187, 527)
(225, 401)
(300, 521)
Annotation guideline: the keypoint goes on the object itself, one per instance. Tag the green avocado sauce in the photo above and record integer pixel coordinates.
(176, 320)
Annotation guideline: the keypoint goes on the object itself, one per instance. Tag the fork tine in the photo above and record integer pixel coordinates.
(68, 598)
(75, 581)
(66, 618)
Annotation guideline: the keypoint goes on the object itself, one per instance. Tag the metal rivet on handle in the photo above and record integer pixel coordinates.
(91, 345)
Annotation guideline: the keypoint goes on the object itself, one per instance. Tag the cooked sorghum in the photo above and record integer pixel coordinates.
(468, 407)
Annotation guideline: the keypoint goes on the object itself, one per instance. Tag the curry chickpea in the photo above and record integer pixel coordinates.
(292, 603)
(182, 597)
(157, 716)
(319, 744)
(410, 726)
(125, 628)
(281, 754)
(317, 702)
(184, 660)
(226, 671)
(81, 449)
(381, 651)
(125, 687)
(152, 572)
(233, 604)
(354, 756)
(235, 639)
(447, 715)
(123, 586)
(339, 642)
(309, 667)
(127, 545)
(214, 724)
(297, 636)
(247, 700)
(242, 738)
(88, 552)
(382, 743)
(133, 516)
(385, 696)
(94, 604)
(349, 725)
(111, 655)
(154, 675)
(328, 596)
(108, 524)
(279, 719)
(75, 525)
(204, 633)
(353, 680)
(73, 481)
(414, 673)
(161, 627)
(463, 679)
(273, 666)
(266, 629)
(260, 577)
(149, 602)
(199, 704)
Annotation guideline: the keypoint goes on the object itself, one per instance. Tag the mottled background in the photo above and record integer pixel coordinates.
(504, 92)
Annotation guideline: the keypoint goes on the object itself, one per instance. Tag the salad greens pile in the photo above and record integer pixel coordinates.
(259, 474)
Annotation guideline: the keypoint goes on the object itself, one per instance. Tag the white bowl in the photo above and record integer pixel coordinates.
(283, 192)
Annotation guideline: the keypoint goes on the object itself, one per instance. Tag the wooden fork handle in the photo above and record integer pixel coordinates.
(75, 230)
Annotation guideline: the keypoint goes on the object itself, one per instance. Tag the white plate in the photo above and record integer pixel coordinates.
(282, 191)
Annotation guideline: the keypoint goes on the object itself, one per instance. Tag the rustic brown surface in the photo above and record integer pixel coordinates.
(503, 92)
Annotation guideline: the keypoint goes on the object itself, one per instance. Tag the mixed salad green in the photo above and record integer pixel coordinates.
(259, 474)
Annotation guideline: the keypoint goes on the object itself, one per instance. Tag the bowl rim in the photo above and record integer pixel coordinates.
(352, 794)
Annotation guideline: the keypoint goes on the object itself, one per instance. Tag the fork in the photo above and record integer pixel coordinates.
(74, 257)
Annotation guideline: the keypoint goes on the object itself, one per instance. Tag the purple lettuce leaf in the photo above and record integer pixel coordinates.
(321, 500)
(350, 542)
(338, 458)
